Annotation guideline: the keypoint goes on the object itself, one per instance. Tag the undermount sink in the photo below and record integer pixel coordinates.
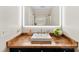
(41, 37)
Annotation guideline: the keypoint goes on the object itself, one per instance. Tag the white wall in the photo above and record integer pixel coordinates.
(72, 16)
(9, 24)
(71, 22)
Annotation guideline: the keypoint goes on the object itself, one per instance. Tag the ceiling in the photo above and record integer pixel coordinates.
(41, 10)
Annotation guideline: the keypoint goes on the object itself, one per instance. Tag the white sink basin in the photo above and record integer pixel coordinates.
(41, 37)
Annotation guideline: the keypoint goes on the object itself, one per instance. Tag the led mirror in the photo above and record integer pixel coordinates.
(41, 16)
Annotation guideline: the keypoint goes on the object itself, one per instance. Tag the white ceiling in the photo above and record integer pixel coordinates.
(41, 10)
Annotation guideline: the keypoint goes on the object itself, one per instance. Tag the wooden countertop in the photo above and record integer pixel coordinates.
(23, 41)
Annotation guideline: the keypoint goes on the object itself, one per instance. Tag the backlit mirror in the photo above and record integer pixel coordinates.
(41, 16)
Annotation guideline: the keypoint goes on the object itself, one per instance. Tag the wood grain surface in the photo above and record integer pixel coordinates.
(24, 41)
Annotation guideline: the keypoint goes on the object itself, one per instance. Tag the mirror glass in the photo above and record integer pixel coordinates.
(41, 16)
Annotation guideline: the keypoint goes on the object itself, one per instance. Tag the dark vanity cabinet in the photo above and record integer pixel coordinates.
(41, 50)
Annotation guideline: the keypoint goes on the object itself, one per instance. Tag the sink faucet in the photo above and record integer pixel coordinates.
(41, 30)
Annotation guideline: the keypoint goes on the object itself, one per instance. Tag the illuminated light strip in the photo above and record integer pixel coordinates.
(60, 14)
(63, 16)
(20, 18)
(23, 16)
(41, 26)
(20, 15)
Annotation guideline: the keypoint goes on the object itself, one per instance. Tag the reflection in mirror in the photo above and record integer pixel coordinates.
(41, 16)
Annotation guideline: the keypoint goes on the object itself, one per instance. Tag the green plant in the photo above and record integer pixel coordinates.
(57, 31)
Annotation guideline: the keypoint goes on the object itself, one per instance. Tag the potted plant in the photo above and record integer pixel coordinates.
(57, 32)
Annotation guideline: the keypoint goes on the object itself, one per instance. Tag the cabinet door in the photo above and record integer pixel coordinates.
(68, 50)
(58, 50)
(15, 50)
(25, 50)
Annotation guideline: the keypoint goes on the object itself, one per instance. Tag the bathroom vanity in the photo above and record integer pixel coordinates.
(23, 43)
